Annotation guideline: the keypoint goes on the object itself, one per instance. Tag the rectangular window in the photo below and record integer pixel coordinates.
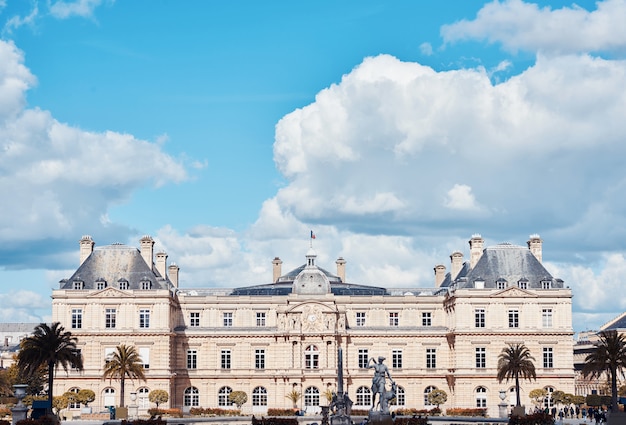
(192, 359)
(144, 353)
(259, 358)
(363, 358)
(260, 319)
(396, 359)
(427, 319)
(548, 358)
(546, 317)
(481, 357)
(479, 318)
(431, 358)
(194, 319)
(394, 319)
(228, 320)
(77, 318)
(225, 359)
(513, 319)
(109, 317)
(144, 318)
(546, 284)
(100, 285)
(360, 318)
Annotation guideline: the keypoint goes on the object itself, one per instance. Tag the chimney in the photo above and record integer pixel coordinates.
(456, 260)
(161, 260)
(535, 244)
(440, 274)
(173, 272)
(476, 244)
(277, 269)
(147, 246)
(86, 247)
(341, 269)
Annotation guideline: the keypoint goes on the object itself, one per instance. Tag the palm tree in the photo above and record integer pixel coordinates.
(609, 355)
(124, 363)
(51, 346)
(515, 361)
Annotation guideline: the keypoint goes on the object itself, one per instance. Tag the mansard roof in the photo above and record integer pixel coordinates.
(616, 324)
(505, 262)
(113, 264)
(286, 288)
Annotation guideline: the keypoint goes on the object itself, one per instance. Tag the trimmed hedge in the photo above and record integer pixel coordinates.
(534, 419)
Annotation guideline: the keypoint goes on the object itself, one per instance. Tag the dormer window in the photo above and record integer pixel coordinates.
(146, 284)
(78, 284)
(101, 284)
(501, 283)
(122, 284)
(522, 283)
(479, 284)
(546, 284)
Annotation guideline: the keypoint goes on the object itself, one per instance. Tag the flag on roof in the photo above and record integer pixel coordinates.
(312, 235)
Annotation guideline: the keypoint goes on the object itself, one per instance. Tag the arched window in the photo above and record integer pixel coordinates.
(311, 396)
(426, 392)
(191, 397)
(142, 398)
(363, 396)
(259, 396)
(400, 399)
(75, 404)
(548, 401)
(311, 357)
(481, 397)
(108, 397)
(222, 396)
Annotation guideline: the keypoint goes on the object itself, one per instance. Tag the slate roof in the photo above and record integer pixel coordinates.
(113, 263)
(285, 288)
(508, 262)
(617, 324)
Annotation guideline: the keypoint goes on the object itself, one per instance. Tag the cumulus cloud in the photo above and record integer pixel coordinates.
(518, 25)
(460, 197)
(66, 9)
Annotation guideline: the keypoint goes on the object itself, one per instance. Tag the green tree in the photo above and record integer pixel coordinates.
(238, 397)
(537, 396)
(294, 396)
(61, 402)
(514, 362)
(125, 362)
(86, 396)
(437, 397)
(158, 397)
(608, 355)
(558, 397)
(50, 346)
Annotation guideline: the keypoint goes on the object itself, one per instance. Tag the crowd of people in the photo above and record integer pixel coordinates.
(597, 414)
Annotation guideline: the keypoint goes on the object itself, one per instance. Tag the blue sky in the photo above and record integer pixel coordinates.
(394, 130)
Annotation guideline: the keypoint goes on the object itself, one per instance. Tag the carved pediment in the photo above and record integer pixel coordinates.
(109, 293)
(513, 291)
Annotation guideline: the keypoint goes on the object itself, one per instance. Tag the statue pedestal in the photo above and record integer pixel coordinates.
(379, 418)
(340, 420)
(502, 407)
(18, 413)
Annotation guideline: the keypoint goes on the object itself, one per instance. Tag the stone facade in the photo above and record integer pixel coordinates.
(268, 340)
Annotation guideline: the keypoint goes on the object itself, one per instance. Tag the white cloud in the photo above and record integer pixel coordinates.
(460, 197)
(426, 49)
(66, 9)
(518, 25)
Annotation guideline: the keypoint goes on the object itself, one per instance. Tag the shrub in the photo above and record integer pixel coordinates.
(410, 411)
(176, 413)
(462, 411)
(213, 411)
(5, 411)
(534, 419)
(280, 412)
(274, 421)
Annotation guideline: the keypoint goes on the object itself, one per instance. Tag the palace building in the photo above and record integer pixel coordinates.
(269, 340)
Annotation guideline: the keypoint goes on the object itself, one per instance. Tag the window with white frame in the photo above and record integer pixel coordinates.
(77, 318)
(501, 284)
(312, 397)
(222, 396)
(144, 318)
(548, 401)
(360, 318)
(110, 316)
(548, 358)
(481, 357)
(396, 359)
(228, 319)
(146, 284)
(226, 359)
(514, 318)
(431, 358)
(479, 317)
(427, 319)
(400, 399)
(481, 397)
(546, 317)
(74, 404)
(194, 319)
(427, 391)
(394, 318)
(142, 398)
(144, 353)
(523, 284)
(546, 284)
(108, 397)
(311, 357)
(122, 284)
(192, 359)
(78, 284)
(260, 319)
(191, 397)
(101, 284)
(363, 358)
(259, 358)
(259, 396)
(363, 396)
